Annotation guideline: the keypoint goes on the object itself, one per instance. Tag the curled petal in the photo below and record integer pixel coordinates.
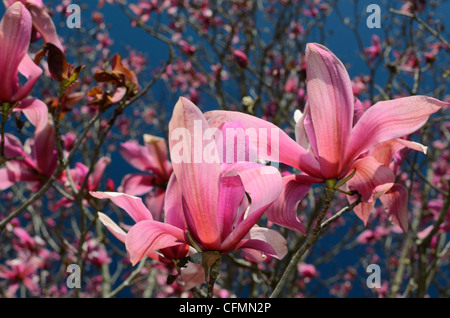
(266, 241)
(395, 202)
(284, 210)
(137, 184)
(303, 124)
(371, 179)
(31, 72)
(385, 151)
(363, 209)
(131, 204)
(149, 236)
(263, 185)
(116, 230)
(44, 24)
(231, 194)
(155, 201)
(35, 111)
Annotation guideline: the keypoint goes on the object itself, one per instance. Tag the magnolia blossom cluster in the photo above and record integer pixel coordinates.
(214, 205)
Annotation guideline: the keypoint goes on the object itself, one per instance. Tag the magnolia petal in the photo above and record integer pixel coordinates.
(284, 209)
(173, 207)
(197, 176)
(331, 103)
(301, 126)
(388, 120)
(15, 33)
(273, 144)
(136, 155)
(45, 151)
(131, 204)
(155, 201)
(266, 241)
(149, 236)
(231, 193)
(99, 169)
(18, 171)
(395, 203)
(121, 235)
(5, 181)
(157, 148)
(137, 184)
(36, 111)
(263, 184)
(116, 230)
(118, 95)
(371, 179)
(13, 147)
(32, 72)
(385, 151)
(44, 24)
(358, 111)
(363, 209)
(63, 202)
(193, 275)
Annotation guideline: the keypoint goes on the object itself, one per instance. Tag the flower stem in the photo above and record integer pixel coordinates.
(311, 238)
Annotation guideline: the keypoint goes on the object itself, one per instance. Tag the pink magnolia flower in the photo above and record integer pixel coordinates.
(38, 162)
(15, 32)
(78, 176)
(206, 205)
(26, 242)
(335, 137)
(152, 159)
(373, 51)
(21, 271)
(307, 271)
(192, 275)
(95, 252)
